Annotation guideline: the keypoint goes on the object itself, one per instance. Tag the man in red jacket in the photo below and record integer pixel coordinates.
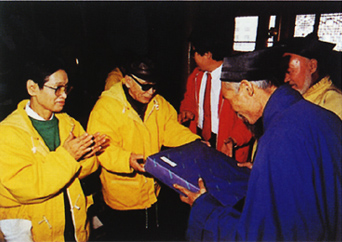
(228, 133)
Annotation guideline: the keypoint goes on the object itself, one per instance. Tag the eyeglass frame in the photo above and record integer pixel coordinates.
(67, 89)
(144, 87)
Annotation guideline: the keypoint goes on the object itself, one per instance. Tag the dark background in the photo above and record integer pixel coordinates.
(100, 34)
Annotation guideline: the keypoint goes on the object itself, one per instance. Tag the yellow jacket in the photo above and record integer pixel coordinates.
(113, 77)
(32, 177)
(122, 187)
(326, 95)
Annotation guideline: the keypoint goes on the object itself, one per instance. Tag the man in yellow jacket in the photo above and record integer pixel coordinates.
(139, 122)
(308, 72)
(43, 156)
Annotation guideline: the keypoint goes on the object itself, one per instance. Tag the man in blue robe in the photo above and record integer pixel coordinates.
(294, 191)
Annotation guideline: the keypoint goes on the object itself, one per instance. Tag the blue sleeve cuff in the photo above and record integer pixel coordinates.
(200, 211)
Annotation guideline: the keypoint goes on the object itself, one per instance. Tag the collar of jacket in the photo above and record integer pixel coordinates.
(116, 92)
(20, 120)
(324, 83)
(282, 98)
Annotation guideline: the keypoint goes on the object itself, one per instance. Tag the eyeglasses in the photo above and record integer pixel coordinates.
(61, 89)
(144, 87)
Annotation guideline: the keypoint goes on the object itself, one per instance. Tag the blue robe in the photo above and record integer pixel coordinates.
(294, 190)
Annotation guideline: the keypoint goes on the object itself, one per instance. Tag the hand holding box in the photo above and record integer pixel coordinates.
(184, 165)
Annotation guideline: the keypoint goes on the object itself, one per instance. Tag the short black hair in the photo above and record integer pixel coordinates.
(39, 68)
(210, 39)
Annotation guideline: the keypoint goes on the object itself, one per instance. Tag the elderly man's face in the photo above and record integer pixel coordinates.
(298, 74)
(136, 89)
(243, 102)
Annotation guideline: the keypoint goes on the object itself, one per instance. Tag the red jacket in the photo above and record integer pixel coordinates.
(229, 124)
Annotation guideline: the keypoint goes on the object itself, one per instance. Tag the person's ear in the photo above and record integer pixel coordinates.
(313, 66)
(209, 55)
(128, 81)
(247, 87)
(32, 87)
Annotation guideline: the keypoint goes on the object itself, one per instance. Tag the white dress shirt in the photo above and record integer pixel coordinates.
(214, 98)
(33, 114)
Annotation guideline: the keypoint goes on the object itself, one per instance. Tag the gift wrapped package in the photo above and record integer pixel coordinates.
(184, 165)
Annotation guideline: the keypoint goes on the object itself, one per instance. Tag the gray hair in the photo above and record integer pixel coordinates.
(263, 84)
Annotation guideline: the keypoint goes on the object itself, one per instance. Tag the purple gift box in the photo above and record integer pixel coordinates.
(184, 165)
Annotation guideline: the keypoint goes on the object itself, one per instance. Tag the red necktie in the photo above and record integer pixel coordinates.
(206, 131)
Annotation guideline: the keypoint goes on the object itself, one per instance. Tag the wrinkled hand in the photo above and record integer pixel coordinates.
(134, 163)
(191, 196)
(185, 116)
(245, 164)
(78, 146)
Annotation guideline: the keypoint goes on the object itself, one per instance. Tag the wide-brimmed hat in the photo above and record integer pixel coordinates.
(257, 65)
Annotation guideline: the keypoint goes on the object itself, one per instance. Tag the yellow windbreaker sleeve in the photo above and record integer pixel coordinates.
(106, 119)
